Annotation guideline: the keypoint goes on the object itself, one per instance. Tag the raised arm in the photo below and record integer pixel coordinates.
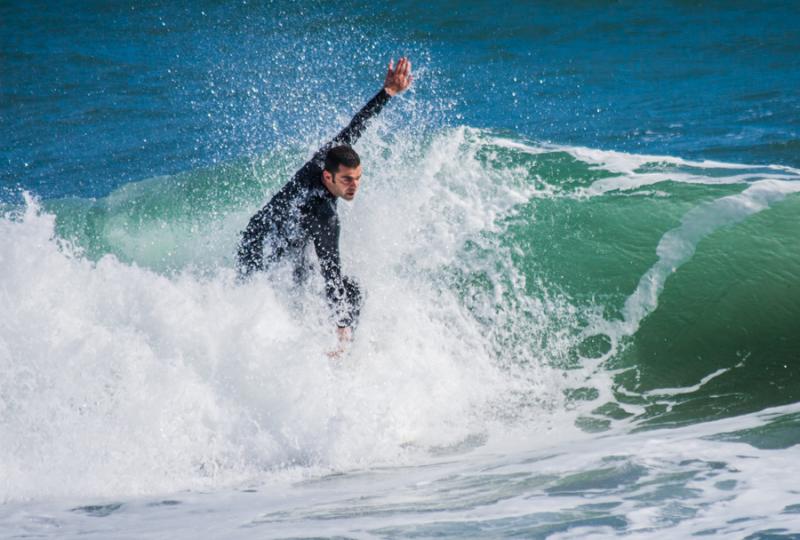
(397, 80)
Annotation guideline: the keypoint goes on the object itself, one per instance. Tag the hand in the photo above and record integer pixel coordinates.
(345, 337)
(398, 79)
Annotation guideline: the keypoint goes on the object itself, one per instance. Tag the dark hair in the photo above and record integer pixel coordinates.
(341, 155)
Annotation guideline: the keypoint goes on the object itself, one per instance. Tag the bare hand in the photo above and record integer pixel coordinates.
(398, 79)
(345, 337)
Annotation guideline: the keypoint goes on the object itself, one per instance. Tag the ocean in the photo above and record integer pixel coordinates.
(578, 235)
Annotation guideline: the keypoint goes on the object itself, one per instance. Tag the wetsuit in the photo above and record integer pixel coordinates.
(304, 212)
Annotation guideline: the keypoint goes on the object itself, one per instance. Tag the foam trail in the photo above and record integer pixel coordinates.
(625, 163)
(678, 245)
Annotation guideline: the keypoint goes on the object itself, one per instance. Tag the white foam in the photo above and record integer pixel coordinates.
(632, 181)
(626, 163)
(118, 380)
(667, 483)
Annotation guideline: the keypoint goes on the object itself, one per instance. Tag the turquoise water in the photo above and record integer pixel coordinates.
(578, 233)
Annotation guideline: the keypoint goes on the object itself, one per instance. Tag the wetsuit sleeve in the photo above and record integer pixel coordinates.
(250, 256)
(326, 244)
(350, 134)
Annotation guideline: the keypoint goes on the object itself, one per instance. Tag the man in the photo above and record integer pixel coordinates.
(304, 212)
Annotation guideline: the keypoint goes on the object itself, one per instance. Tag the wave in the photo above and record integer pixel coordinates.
(511, 286)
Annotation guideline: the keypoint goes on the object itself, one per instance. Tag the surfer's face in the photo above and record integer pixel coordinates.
(344, 183)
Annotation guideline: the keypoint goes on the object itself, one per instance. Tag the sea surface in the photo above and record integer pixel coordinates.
(579, 233)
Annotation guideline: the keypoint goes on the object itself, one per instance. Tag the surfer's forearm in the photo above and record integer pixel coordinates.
(358, 124)
(350, 134)
(397, 80)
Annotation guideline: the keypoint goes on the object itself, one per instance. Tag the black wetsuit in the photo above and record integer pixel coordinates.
(304, 212)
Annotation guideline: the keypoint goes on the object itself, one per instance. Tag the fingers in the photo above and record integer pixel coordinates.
(400, 65)
(403, 70)
(405, 73)
(398, 78)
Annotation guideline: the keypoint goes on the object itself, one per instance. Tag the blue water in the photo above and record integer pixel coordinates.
(577, 230)
(96, 95)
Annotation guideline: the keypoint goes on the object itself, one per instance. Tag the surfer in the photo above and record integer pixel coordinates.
(304, 212)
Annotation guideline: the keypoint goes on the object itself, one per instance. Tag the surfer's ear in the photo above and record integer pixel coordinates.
(327, 176)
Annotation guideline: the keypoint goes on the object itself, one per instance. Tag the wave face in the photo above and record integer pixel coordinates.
(512, 287)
